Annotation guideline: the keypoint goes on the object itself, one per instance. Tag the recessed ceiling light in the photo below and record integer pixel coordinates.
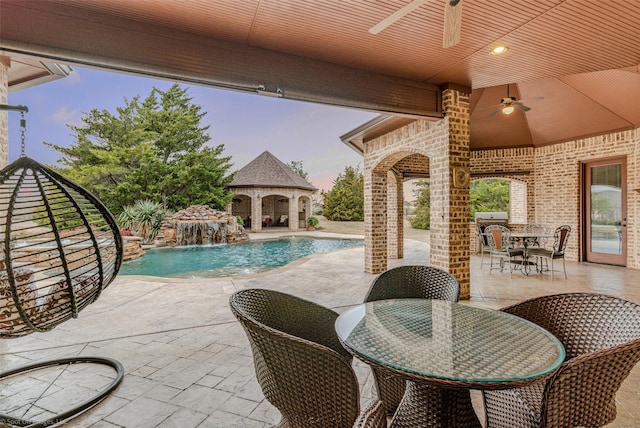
(499, 50)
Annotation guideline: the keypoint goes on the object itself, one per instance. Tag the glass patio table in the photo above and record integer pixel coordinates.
(444, 349)
(527, 238)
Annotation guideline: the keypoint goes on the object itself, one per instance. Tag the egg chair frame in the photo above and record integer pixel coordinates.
(59, 248)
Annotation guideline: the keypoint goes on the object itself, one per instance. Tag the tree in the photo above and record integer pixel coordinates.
(345, 201)
(299, 169)
(422, 213)
(489, 195)
(154, 149)
(485, 195)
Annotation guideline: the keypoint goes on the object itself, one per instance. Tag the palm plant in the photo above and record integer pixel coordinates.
(144, 218)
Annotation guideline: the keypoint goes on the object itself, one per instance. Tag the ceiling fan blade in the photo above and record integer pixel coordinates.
(409, 7)
(532, 99)
(452, 23)
(521, 107)
(493, 113)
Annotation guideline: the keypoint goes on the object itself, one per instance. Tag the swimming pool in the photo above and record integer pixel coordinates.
(220, 260)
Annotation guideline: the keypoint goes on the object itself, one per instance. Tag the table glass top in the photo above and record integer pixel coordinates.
(447, 340)
(530, 235)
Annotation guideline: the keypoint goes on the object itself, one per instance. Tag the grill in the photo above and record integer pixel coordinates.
(495, 217)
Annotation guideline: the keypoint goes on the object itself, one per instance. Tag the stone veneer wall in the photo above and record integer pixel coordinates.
(295, 196)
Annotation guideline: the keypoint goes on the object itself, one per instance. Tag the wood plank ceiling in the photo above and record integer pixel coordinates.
(582, 56)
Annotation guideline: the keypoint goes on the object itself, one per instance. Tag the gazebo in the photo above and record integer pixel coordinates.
(268, 193)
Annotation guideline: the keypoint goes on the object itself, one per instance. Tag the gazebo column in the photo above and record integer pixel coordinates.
(395, 210)
(293, 213)
(375, 221)
(449, 196)
(256, 213)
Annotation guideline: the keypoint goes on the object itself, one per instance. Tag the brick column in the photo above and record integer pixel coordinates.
(5, 64)
(450, 205)
(375, 220)
(395, 202)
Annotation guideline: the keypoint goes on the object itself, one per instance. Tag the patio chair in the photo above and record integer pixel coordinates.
(560, 239)
(601, 336)
(301, 366)
(407, 282)
(484, 243)
(499, 240)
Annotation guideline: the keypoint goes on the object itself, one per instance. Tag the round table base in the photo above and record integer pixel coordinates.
(426, 405)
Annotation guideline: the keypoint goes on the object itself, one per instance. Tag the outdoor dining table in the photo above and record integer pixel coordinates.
(527, 238)
(444, 349)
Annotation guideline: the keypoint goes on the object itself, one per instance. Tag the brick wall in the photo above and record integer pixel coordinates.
(552, 175)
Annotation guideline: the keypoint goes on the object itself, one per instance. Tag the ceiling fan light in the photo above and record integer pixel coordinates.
(499, 50)
(508, 110)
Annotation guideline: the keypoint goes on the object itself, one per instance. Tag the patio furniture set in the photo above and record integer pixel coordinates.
(551, 361)
(523, 250)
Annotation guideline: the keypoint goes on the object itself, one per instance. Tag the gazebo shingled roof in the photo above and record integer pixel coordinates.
(268, 171)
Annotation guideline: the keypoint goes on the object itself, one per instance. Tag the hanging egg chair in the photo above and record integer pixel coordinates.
(59, 248)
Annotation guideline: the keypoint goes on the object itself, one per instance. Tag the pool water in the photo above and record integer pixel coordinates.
(220, 260)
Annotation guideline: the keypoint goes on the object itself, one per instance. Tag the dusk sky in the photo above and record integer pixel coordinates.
(246, 124)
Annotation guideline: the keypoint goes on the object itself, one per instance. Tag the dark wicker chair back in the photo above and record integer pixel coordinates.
(300, 365)
(601, 336)
(400, 283)
(414, 282)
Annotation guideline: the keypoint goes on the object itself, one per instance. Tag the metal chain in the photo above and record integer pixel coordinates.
(23, 129)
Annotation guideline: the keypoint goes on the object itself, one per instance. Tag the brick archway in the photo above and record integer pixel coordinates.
(445, 145)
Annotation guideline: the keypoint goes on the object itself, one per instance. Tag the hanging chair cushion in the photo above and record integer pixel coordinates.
(10, 319)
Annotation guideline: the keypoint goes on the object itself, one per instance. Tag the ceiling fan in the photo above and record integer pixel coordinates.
(452, 20)
(509, 104)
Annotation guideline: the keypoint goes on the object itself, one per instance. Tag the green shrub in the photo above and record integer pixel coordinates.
(143, 218)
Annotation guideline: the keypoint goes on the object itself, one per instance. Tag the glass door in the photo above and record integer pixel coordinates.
(605, 211)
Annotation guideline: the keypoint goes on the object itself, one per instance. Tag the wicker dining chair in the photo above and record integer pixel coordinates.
(560, 239)
(601, 336)
(400, 283)
(301, 366)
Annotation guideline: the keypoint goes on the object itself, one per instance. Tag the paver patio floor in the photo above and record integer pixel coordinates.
(188, 363)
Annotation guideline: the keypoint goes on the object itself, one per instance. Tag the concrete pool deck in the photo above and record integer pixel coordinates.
(187, 360)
